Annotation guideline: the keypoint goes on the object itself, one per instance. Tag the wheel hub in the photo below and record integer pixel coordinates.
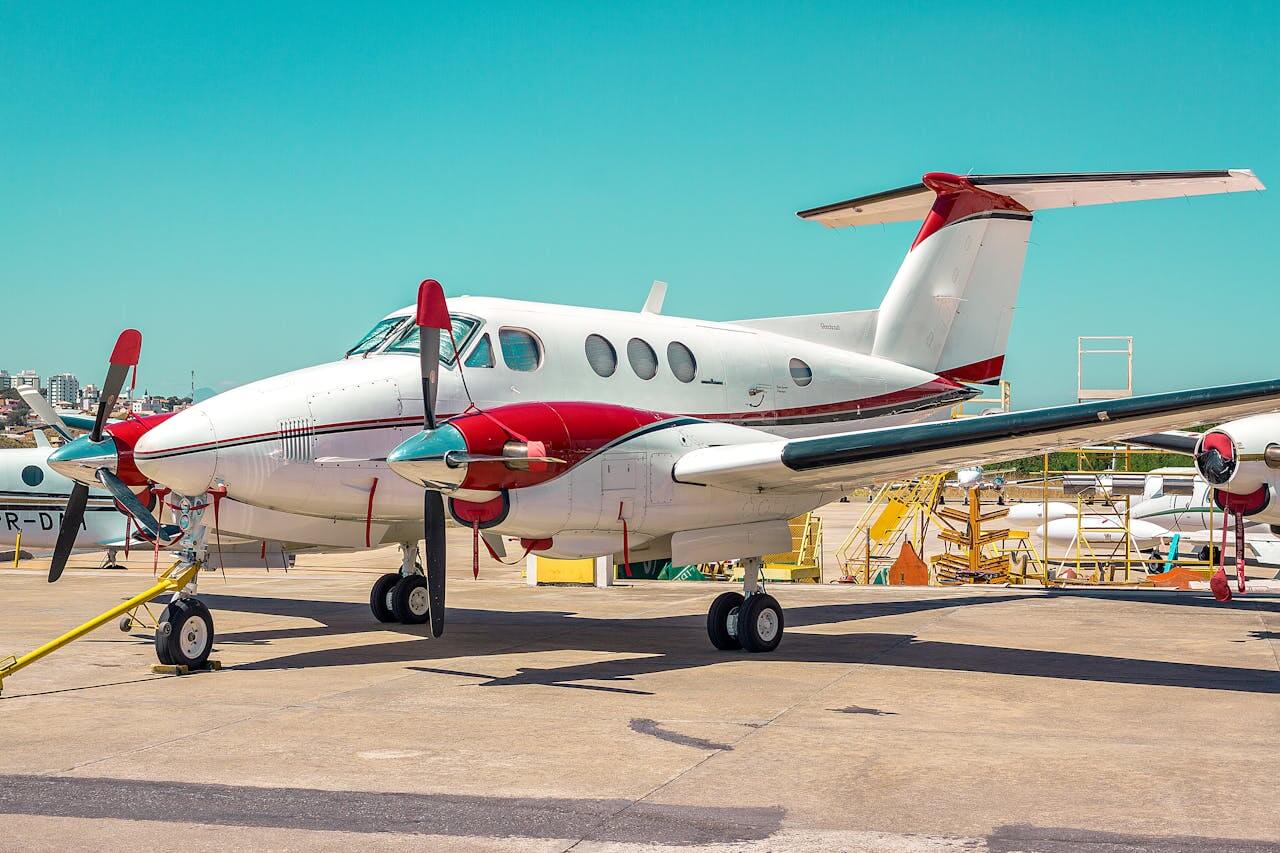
(193, 637)
(767, 624)
(419, 602)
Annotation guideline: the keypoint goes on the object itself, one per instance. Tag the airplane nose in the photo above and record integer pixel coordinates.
(180, 453)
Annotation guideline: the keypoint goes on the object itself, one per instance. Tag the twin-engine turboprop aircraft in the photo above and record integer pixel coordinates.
(704, 442)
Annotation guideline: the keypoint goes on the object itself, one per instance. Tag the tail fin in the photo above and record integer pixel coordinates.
(951, 303)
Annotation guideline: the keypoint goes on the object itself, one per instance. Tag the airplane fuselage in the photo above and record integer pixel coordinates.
(301, 441)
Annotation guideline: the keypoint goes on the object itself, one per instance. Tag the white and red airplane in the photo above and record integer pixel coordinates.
(760, 409)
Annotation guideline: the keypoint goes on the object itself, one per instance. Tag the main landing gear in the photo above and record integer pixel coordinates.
(402, 596)
(752, 622)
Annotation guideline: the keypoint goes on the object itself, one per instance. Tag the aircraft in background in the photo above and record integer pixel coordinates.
(763, 407)
(33, 498)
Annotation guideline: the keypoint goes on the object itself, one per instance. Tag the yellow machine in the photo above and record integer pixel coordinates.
(898, 513)
(803, 562)
(971, 553)
(173, 579)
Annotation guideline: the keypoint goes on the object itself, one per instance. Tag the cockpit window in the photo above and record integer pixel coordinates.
(462, 329)
(481, 354)
(378, 335)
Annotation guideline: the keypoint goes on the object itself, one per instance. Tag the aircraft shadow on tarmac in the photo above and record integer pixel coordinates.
(671, 643)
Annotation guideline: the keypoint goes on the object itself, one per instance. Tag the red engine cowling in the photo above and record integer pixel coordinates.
(125, 435)
(1241, 461)
(516, 436)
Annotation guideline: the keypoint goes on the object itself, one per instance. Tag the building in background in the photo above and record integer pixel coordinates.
(64, 390)
(6, 381)
(89, 396)
(27, 379)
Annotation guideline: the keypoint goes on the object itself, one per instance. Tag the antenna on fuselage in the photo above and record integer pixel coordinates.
(657, 293)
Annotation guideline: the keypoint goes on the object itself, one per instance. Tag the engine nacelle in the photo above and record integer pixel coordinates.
(615, 489)
(1241, 461)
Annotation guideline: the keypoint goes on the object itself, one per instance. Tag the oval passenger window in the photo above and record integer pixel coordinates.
(644, 361)
(681, 361)
(601, 355)
(800, 372)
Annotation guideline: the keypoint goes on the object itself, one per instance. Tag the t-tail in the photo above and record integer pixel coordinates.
(951, 303)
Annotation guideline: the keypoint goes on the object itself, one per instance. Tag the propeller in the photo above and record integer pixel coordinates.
(123, 357)
(46, 413)
(432, 319)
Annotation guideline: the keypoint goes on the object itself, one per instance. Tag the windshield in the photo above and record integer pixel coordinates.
(462, 329)
(376, 336)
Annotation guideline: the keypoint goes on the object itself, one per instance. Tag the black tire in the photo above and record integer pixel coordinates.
(189, 639)
(722, 609)
(380, 597)
(760, 623)
(1207, 553)
(410, 601)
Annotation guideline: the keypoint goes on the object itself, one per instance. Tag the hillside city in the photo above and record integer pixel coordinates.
(65, 393)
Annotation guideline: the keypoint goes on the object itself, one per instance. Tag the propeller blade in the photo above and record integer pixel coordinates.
(45, 412)
(131, 503)
(70, 528)
(123, 357)
(432, 319)
(433, 529)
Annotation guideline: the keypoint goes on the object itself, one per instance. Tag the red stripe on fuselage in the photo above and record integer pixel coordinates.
(933, 388)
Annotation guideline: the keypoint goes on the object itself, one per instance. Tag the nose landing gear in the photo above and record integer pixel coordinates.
(184, 636)
(751, 621)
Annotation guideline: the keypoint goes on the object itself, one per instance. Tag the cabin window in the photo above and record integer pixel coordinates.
(381, 332)
(33, 475)
(681, 361)
(463, 327)
(601, 355)
(644, 361)
(482, 355)
(520, 349)
(801, 374)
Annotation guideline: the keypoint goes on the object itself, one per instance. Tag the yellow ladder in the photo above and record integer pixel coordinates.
(803, 562)
(896, 510)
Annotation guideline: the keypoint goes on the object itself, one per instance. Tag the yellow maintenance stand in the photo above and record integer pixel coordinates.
(173, 579)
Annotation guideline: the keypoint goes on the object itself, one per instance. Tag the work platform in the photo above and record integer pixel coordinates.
(548, 716)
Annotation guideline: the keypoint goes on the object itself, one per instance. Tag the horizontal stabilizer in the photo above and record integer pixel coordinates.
(1037, 192)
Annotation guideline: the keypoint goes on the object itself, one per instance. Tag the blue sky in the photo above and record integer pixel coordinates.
(253, 184)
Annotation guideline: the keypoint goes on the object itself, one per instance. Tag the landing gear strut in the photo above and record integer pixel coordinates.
(751, 620)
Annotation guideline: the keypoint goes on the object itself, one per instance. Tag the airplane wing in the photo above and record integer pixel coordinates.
(846, 460)
(1037, 192)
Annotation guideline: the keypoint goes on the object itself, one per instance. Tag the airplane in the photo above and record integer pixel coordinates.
(605, 472)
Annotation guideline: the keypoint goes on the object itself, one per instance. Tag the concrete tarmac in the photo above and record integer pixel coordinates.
(584, 719)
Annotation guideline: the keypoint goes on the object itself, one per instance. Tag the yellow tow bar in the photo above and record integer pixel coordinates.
(170, 581)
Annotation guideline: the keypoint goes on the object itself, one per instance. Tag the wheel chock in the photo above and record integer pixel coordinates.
(183, 669)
